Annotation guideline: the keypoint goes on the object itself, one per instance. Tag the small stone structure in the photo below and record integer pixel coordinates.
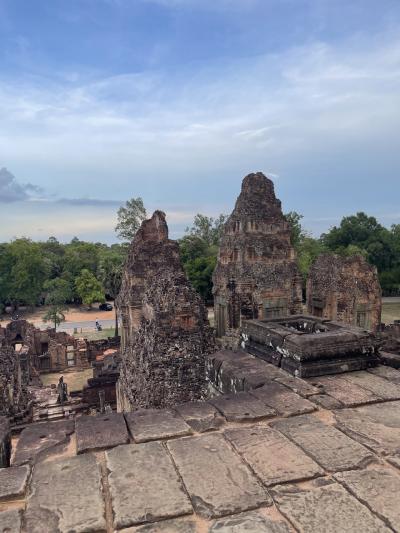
(345, 289)
(50, 350)
(256, 275)
(308, 346)
(165, 331)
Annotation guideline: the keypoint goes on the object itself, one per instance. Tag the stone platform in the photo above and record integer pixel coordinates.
(279, 455)
(308, 346)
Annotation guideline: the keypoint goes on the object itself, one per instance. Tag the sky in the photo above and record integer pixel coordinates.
(176, 101)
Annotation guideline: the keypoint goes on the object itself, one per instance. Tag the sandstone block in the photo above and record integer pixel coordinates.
(13, 482)
(144, 485)
(218, 482)
(375, 426)
(329, 447)
(241, 407)
(271, 456)
(66, 496)
(201, 416)
(379, 489)
(155, 424)
(283, 400)
(326, 507)
(101, 431)
(38, 441)
(252, 522)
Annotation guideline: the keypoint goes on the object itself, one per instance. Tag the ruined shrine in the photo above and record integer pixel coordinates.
(45, 350)
(256, 274)
(14, 396)
(165, 331)
(345, 289)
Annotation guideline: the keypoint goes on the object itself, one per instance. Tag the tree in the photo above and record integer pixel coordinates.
(199, 250)
(55, 314)
(372, 239)
(59, 291)
(89, 289)
(110, 272)
(130, 217)
(26, 273)
(297, 233)
(207, 229)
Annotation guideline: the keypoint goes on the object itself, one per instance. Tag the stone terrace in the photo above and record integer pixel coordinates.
(276, 454)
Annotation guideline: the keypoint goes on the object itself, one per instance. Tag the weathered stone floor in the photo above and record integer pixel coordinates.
(288, 455)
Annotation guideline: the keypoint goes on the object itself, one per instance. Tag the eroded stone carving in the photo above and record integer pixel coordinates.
(165, 330)
(345, 289)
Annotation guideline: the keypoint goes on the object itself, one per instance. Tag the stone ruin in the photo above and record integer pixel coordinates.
(14, 397)
(307, 346)
(256, 274)
(50, 350)
(345, 289)
(165, 332)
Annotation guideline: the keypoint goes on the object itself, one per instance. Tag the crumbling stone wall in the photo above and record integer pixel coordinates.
(13, 383)
(345, 289)
(165, 331)
(46, 351)
(256, 274)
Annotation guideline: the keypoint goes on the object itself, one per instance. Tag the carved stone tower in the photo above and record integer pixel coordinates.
(256, 274)
(165, 330)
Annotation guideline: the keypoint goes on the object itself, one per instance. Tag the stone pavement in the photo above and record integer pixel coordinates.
(271, 459)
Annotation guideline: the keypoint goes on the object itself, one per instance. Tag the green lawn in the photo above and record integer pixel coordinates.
(95, 335)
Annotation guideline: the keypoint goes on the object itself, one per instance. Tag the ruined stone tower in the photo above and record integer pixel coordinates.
(165, 331)
(256, 274)
(345, 289)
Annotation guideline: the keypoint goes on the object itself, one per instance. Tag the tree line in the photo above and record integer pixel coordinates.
(57, 274)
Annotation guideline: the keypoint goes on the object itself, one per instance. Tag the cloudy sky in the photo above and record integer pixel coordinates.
(176, 100)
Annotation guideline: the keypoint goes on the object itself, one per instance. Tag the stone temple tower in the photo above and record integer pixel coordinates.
(165, 331)
(256, 274)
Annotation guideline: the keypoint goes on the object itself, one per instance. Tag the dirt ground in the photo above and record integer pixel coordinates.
(73, 314)
(74, 380)
(390, 312)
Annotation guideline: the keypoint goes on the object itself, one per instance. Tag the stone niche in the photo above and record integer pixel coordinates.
(307, 346)
(165, 331)
(345, 289)
(256, 274)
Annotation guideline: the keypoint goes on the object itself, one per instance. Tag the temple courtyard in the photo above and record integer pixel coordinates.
(274, 454)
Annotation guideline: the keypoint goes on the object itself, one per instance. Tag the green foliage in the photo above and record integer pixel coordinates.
(307, 251)
(55, 314)
(207, 229)
(297, 232)
(199, 250)
(23, 272)
(59, 291)
(88, 288)
(130, 218)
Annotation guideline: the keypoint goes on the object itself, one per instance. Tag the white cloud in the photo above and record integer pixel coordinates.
(108, 137)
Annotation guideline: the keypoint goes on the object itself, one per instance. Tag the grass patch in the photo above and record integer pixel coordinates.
(96, 335)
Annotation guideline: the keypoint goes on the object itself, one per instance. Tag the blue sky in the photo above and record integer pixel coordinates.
(177, 100)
